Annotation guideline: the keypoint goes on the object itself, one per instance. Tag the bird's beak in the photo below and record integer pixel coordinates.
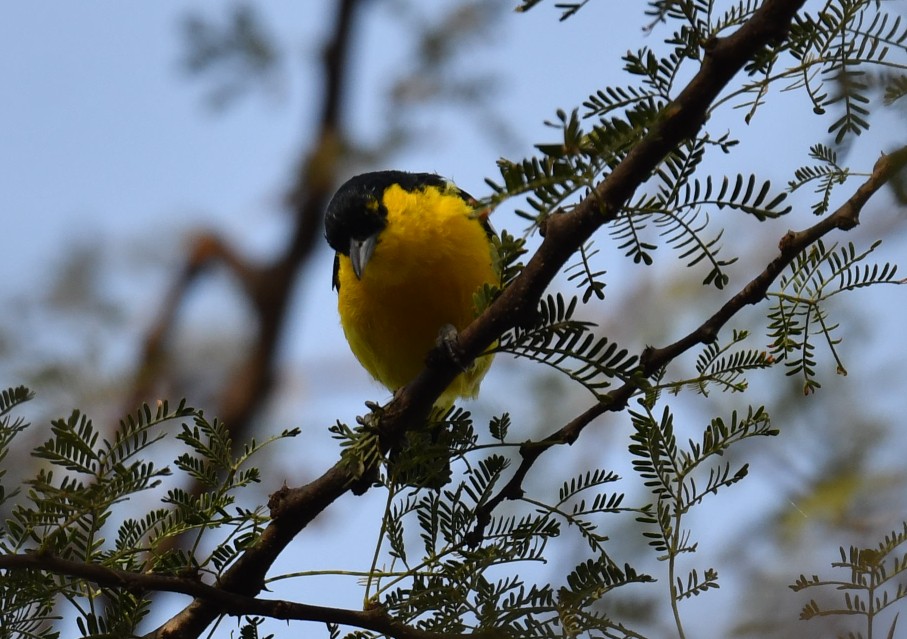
(361, 252)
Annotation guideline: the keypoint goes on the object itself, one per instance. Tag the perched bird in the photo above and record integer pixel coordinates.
(412, 252)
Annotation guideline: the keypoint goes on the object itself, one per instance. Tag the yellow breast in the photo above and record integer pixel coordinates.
(430, 259)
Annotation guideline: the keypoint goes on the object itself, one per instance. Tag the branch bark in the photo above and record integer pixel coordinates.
(375, 619)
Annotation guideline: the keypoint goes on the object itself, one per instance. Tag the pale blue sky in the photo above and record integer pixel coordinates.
(102, 136)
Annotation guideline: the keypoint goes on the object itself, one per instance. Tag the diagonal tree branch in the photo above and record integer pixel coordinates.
(230, 603)
(293, 509)
(565, 233)
(846, 217)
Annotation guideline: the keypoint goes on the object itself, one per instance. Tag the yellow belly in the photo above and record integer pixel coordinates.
(426, 267)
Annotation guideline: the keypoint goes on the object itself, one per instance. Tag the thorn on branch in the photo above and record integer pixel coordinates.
(788, 242)
(276, 501)
(709, 333)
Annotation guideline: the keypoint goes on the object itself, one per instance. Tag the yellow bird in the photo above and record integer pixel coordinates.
(412, 252)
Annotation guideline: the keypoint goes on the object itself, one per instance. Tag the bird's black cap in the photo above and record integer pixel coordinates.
(356, 211)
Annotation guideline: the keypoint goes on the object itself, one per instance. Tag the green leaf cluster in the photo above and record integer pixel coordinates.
(874, 583)
(799, 311)
(79, 507)
(451, 580)
(827, 175)
(674, 475)
(570, 346)
(722, 366)
(680, 478)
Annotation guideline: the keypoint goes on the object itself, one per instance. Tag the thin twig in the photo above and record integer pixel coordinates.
(793, 243)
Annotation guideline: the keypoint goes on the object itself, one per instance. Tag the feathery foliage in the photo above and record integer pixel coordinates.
(874, 585)
(828, 174)
(718, 365)
(799, 311)
(85, 495)
(569, 346)
(9, 429)
(670, 472)
(451, 578)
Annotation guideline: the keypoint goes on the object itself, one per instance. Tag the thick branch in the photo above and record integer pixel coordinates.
(229, 603)
(268, 286)
(566, 232)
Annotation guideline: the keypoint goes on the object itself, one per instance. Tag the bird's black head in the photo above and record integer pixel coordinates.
(357, 212)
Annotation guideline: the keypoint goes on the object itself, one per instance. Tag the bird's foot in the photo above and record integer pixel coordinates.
(373, 418)
(449, 343)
